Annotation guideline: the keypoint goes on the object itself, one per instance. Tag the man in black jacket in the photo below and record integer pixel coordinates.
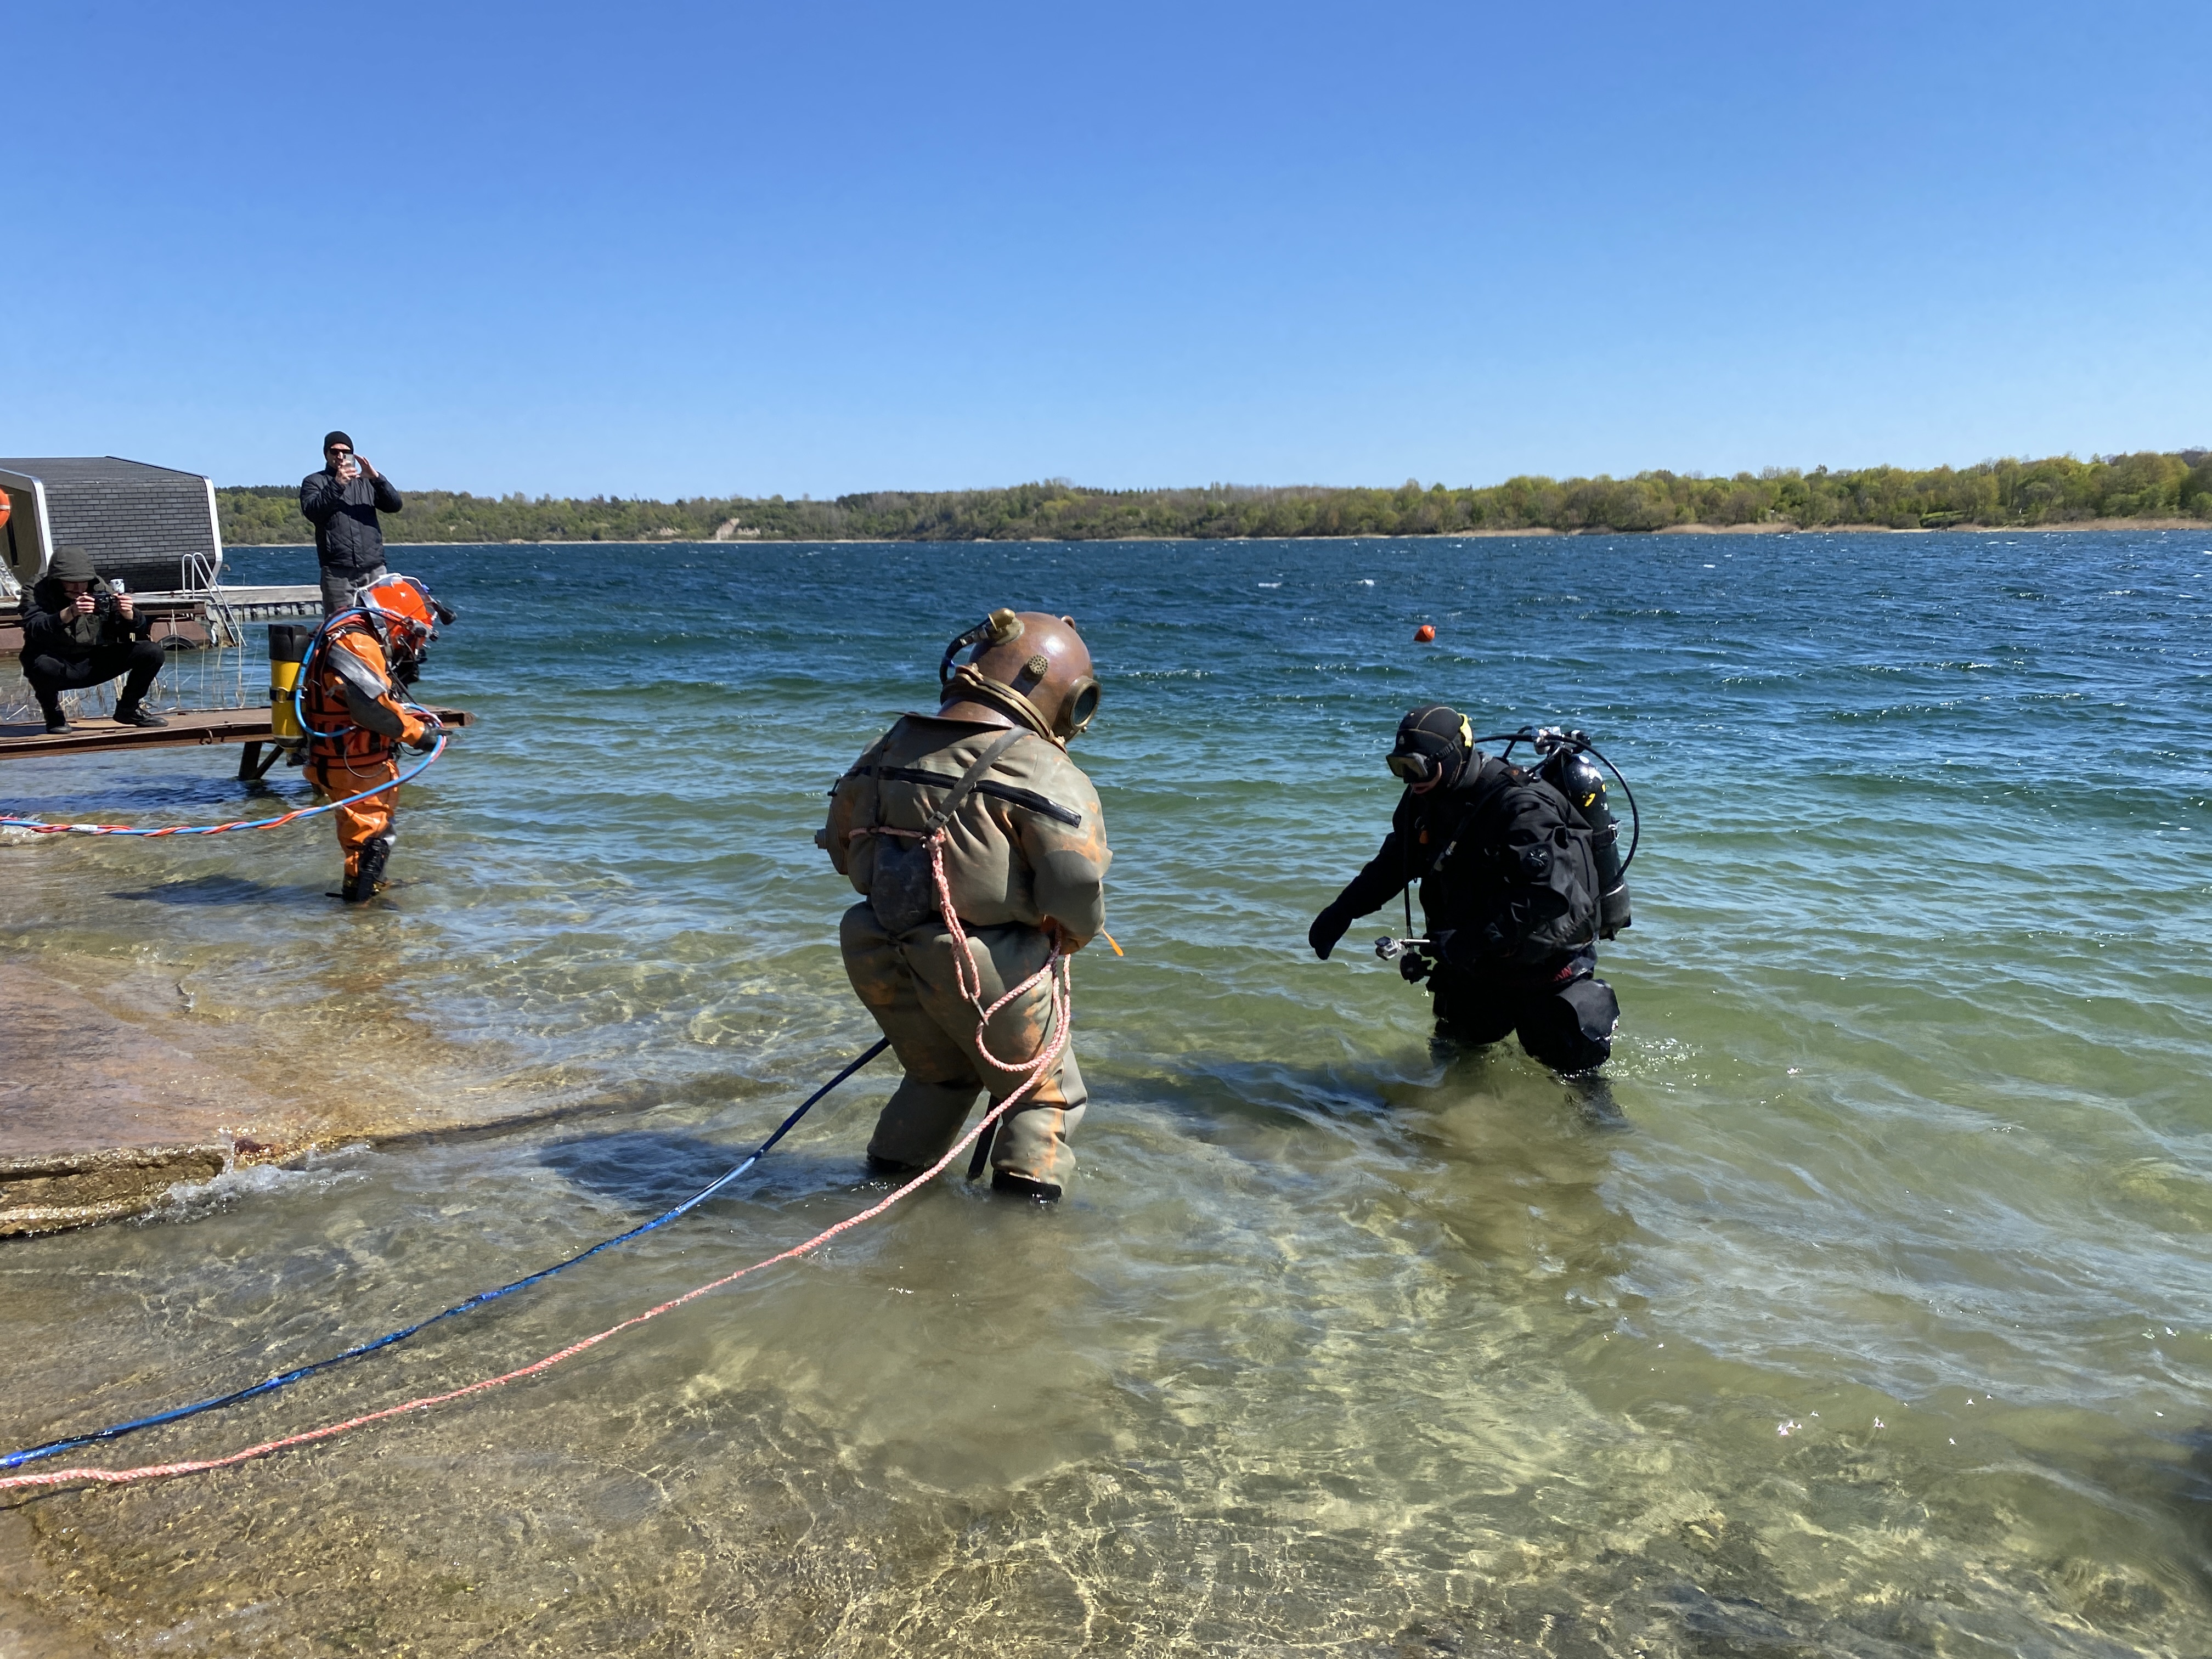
(342, 501)
(79, 632)
(1509, 892)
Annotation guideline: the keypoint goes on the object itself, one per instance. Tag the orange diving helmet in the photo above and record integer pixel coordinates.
(404, 613)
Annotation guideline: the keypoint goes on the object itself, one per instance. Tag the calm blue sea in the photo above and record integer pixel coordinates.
(1881, 1328)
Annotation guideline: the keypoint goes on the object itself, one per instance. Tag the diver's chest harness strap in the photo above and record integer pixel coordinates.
(963, 787)
(1006, 791)
(931, 836)
(966, 973)
(343, 696)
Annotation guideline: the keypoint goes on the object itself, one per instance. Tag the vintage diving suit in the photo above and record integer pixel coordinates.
(1024, 859)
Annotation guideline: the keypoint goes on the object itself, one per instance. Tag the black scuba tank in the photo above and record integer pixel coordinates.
(1572, 772)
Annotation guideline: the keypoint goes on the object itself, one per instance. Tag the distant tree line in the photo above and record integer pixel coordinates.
(2057, 490)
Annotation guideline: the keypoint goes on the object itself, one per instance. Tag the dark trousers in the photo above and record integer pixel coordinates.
(141, 661)
(1566, 1022)
(340, 590)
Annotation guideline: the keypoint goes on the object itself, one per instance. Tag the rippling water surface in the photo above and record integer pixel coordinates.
(1881, 1328)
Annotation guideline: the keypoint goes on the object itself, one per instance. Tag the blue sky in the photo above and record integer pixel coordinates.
(706, 249)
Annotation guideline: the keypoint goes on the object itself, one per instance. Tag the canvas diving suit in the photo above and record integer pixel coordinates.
(1025, 852)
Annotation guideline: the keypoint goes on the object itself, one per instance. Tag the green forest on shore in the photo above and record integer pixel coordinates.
(2060, 490)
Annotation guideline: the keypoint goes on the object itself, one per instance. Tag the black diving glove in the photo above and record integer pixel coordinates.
(1328, 926)
(427, 742)
(1417, 965)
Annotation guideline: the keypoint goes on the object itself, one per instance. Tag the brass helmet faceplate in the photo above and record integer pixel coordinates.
(1032, 665)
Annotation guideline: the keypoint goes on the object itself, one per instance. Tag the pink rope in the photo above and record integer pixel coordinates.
(967, 974)
(1061, 1006)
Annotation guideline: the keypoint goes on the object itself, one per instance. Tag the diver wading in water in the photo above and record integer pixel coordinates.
(357, 716)
(984, 784)
(1520, 874)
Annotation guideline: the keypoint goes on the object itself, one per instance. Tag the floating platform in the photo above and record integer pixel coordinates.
(247, 604)
(190, 728)
(196, 621)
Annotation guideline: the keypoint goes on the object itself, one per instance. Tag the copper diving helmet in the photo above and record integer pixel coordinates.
(1028, 665)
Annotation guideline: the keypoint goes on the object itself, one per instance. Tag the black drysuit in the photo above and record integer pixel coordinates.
(1462, 844)
(64, 652)
(349, 542)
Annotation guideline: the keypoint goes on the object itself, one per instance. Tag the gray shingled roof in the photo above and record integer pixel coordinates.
(96, 469)
(139, 522)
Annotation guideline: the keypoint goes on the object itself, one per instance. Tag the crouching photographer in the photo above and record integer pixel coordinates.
(79, 632)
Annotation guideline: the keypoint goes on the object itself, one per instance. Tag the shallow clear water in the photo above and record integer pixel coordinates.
(1881, 1328)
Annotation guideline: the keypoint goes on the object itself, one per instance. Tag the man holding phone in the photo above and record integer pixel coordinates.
(342, 501)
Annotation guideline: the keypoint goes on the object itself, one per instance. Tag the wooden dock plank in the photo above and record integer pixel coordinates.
(187, 729)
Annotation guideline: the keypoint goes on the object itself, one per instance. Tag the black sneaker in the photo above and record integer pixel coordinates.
(132, 715)
(58, 722)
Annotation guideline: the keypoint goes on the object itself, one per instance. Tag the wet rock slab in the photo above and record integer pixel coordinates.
(100, 1113)
(111, 1092)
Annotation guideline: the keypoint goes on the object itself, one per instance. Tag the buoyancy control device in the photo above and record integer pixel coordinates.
(1566, 767)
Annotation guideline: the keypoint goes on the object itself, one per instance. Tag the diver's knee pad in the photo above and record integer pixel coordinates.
(1571, 1029)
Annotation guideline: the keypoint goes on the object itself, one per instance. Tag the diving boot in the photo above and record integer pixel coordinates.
(368, 879)
(1005, 1180)
(132, 713)
(57, 722)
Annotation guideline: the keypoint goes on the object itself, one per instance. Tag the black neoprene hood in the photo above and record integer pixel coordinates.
(1438, 732)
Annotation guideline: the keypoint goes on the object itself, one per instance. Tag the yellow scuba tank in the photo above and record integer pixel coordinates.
(288, 645)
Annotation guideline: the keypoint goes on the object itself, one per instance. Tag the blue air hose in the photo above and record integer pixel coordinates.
(32, 1454)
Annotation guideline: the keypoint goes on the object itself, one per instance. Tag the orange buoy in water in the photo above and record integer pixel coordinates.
(1424, 634)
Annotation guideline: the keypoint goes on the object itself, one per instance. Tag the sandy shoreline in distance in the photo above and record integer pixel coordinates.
(2201, 525)
(1909, 530)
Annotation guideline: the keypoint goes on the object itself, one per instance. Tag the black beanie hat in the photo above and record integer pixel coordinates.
(1440, 732)
(329, 438)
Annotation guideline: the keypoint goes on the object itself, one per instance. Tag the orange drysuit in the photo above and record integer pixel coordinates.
(356, 723)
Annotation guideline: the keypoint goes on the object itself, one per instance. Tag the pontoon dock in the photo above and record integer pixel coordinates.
(188, 729)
